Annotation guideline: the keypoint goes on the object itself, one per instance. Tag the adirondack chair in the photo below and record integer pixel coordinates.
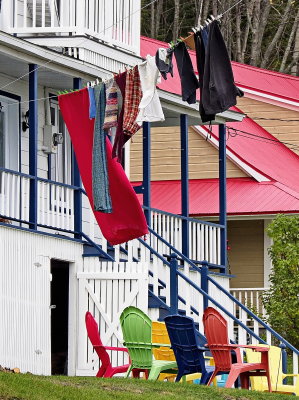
(160, 335)
(215, 327)
(106, 370)
(188, 352)
(276, 374)
(137, 332)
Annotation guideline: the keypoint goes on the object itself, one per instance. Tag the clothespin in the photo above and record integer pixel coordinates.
(97, 81)
(208, 21)
(1, 106)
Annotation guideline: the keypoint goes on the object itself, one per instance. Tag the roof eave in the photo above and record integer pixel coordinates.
(173, 105)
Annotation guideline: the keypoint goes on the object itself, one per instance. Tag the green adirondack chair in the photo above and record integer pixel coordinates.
(137, 332)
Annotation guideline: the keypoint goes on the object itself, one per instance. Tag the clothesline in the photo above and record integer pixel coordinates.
(97, 37)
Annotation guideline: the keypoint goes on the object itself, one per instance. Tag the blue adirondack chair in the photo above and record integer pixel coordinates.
(188, 350)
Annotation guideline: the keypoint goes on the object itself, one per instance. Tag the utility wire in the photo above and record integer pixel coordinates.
(230, 8)
(274, 119)
(232, 132)
(96, 37)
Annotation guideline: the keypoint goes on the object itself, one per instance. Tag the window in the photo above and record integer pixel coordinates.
(2, 142)
(9, 131)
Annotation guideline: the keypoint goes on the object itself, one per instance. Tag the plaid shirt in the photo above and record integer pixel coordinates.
(132, 100)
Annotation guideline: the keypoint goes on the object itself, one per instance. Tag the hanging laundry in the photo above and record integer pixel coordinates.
(164, 61)
(150, 109)
(200, 60)
(113, 104)
(205, 35)
(132, 100)
(218, 90)
(92, 103)
(100, 181)
(189, 41)
(189, 82)
(120, 80)
(127, 220)
(132, 97)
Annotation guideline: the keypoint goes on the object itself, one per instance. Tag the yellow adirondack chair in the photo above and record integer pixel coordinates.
(160, 335)
(276, 374)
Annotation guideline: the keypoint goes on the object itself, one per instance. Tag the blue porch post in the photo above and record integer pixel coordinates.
(174, 287)
(146, 184)
(33, 135)
(205, 282)
(184, 183)
(77, 84)
(222, 195)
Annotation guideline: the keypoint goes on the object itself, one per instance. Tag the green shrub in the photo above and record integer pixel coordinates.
(282, 300)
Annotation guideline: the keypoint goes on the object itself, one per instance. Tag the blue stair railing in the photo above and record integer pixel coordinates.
(178, 278)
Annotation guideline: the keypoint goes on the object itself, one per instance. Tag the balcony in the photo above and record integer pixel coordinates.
(112, 22)
(56, 211)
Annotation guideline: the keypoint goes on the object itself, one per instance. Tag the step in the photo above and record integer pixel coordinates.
(90, 251)
(154, 303)
(151, 288)
(164, 313)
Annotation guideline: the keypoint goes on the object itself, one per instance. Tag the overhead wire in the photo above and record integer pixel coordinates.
(230, 8)
(97, 37)
(275, 119)
(233, 132)
(83, 41)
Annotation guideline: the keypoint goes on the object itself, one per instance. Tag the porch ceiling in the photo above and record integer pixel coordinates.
(15, 68)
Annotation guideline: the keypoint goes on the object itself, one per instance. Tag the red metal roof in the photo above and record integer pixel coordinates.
(263, 153)
(244, 196)
(258, 79)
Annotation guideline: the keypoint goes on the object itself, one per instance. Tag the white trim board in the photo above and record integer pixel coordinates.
(275, 100)
(231, 156)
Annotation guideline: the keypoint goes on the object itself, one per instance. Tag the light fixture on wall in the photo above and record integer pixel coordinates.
(25, 123)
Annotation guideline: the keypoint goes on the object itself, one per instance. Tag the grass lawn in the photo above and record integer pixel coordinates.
(32, 387)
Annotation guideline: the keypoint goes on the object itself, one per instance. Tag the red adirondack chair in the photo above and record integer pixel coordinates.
(215, 327)
(106, 370)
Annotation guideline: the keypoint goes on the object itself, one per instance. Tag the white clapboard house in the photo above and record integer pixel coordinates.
(55, 265)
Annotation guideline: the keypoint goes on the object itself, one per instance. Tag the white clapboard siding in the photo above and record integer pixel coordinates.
(25, 297)
(105, 290)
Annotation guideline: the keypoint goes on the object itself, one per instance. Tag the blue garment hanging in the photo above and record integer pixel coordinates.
(100, 181)
(92, 103)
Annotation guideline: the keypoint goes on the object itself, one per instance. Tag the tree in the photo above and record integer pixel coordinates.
(281, 302)
(264, 33)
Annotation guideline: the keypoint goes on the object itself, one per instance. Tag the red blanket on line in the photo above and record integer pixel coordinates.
(127, 221)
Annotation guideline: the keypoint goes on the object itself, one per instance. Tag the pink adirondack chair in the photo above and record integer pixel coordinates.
(106, 370)
(215, 327)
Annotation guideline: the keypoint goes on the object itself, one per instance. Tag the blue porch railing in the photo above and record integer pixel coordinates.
(180, 284)
(185, 284)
